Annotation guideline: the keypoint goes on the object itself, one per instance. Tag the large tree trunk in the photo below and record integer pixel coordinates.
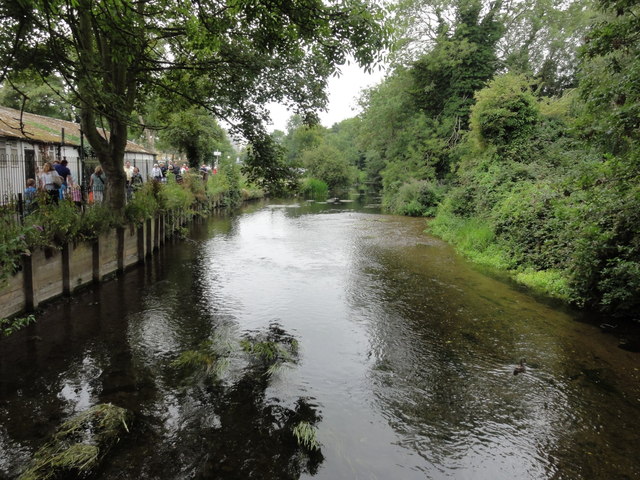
(107, 77)
(110, 153)
(113, 166)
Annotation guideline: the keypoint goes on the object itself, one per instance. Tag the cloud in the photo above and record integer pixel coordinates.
(343, 93)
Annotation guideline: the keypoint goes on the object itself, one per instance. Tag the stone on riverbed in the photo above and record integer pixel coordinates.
(79, 444)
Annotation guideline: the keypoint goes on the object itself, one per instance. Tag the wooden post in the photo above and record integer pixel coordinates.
(120, 248)
(66, 272)
(149, 237)
(30, 301)
(96, 260)
(140, 244)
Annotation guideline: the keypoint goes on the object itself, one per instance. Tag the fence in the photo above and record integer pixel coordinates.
(16, 168)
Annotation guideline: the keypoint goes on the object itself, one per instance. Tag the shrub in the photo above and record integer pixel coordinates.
(143, 204)
(314, 189)
(416, 199)
(505, 113)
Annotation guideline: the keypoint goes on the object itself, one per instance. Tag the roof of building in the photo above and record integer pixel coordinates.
(38, 128)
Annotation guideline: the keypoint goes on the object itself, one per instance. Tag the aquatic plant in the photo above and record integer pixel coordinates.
(8, 327)
(306, 435)
(210, 359)
(272, 350)
(79, 444)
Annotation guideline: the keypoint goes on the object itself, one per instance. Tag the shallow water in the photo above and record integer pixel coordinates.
(405, 365)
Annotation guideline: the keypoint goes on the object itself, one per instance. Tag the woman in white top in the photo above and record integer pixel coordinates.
(50, 181)
(156, 173)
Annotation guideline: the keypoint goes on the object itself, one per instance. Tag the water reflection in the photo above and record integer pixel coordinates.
(405, 363)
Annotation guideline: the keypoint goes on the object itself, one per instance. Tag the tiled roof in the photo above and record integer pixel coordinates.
(47, 130)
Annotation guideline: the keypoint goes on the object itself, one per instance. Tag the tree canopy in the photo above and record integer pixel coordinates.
(229, 56)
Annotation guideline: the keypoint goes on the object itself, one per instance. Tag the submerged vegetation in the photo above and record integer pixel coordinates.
(242, 370)
(306, 436)
(79, 444)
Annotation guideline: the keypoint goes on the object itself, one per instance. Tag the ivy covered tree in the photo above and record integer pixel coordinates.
(231, 57)
(460, 63)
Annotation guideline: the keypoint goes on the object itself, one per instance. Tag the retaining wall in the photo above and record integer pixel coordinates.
(50, 273)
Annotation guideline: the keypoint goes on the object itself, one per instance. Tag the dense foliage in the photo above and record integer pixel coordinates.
(230, 57)
(515, 126)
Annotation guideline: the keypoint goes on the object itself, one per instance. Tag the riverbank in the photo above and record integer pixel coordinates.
(59, 248)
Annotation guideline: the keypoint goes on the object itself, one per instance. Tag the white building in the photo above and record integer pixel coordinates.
(24, 149)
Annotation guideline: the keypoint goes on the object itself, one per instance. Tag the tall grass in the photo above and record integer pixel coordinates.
(315, 189)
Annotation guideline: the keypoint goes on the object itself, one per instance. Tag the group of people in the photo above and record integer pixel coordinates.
(160, 170)
(55, 179)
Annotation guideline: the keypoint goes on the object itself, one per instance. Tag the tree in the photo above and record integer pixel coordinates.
(42, 96)
(610, 77)
(327, 164)
(540, 38)
(230, 57)
(460, 63)
(195, 133)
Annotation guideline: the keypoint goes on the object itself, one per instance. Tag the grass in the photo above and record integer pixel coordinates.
(474, 238)
(79, 444)
(306, 436)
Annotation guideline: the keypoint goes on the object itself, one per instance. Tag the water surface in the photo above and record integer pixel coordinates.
(405, 366)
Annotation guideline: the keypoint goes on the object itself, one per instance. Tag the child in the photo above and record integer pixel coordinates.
(76, 195)
(30, 196)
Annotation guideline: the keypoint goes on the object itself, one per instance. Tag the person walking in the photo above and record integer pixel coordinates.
(64, 172)
(96, 184)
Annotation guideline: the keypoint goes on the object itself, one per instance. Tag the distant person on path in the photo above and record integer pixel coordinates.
(136, 179)
(96, 184)
(163, 169)
(74, 192)
(177, 172)
(128, 170)
(50, 182)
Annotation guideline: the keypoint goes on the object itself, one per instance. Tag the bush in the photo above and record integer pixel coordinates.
(415, 199)
(314, 189)
(144, 203)
(504, 114)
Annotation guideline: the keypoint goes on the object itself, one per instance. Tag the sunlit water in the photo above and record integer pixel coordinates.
(406, 359)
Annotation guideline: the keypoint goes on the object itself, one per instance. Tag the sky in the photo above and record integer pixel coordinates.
(343, 92)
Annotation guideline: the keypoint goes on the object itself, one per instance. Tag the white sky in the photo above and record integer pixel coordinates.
(343, 92)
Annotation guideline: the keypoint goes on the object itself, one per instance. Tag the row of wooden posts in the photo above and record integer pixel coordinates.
(49, 273)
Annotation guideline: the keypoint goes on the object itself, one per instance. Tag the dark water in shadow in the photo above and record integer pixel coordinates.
(405, 367)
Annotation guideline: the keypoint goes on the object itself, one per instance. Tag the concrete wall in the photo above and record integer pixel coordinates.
(50, 273)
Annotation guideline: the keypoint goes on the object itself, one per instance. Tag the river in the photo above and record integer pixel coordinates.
(404, 361)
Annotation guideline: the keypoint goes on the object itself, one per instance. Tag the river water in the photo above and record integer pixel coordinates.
(404, 365)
